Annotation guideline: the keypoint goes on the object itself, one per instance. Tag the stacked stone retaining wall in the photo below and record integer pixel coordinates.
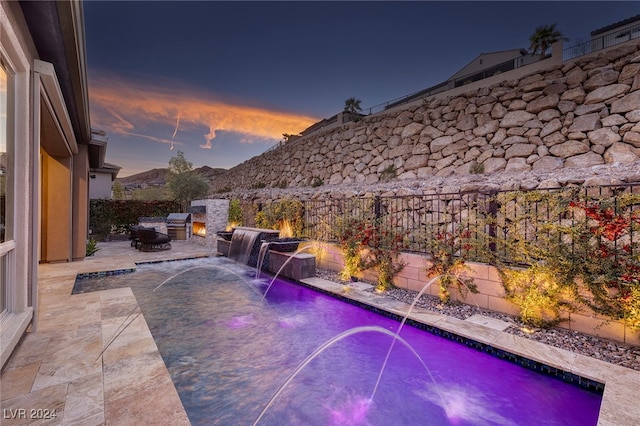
(578, 116)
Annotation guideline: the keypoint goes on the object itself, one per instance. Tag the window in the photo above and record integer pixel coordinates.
(3, 179)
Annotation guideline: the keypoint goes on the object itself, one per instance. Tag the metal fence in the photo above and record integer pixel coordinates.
(599, 43)
(495, 220)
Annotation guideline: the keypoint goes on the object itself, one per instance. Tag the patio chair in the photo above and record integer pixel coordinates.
(152, 240)
(133, 236)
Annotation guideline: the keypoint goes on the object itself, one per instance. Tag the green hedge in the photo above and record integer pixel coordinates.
(115, 216)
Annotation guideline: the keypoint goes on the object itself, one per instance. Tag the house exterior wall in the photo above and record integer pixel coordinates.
(15, 254)
(617, 35)
(100, 186)
(486, 60)
(47, 167)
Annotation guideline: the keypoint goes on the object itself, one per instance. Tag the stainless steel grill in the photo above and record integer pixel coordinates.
(178, 226)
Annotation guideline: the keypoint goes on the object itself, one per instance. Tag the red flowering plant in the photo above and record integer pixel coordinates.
(350, 233)
(381, 246)
(447, 251)
(606, 252)
(367, 244)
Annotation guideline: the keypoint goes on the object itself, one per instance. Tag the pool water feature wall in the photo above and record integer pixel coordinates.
(246, 242)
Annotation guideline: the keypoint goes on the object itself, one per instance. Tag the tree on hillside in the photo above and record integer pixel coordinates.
(543, 37)
(183, 183)
(352, 107)
(117, 191)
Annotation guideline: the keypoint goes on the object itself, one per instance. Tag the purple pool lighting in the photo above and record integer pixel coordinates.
(228, 354)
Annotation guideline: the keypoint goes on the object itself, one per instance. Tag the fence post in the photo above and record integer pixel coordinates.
(492, 213)
(377, 207)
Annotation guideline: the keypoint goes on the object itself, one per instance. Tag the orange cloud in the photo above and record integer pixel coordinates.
(127, 108)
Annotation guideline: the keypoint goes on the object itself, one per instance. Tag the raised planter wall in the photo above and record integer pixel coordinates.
(490, 296)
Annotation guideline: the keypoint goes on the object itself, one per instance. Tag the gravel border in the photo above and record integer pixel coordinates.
(621, 354)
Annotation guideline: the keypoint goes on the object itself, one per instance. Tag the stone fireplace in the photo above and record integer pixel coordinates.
(199, 229)
(208, 217)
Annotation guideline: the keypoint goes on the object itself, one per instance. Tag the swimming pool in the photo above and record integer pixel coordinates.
(228, 353)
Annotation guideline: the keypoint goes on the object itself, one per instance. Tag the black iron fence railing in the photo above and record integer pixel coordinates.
(599, 43)
(496, 221)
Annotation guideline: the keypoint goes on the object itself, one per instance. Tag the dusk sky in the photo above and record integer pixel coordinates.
(222, 81)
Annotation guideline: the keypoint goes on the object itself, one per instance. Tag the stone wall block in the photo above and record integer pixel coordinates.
(585, 109)
(606, 92)
(517, 164)
(633, 116)
(576, 94)
(439, 143)
(585, 123)
(569, 149)
(494, 164)
(548, 164)
(620, 153)
(548, 115)
(566, 106)
(627, 103)
(520, 150)
(601, 77)
(605, 137)
(412, 129)
(576, 76)
(466, 122)
(545, 102)
(517, 105)
(632, 138)
(582, 161)
(516, 118)
(454, 148)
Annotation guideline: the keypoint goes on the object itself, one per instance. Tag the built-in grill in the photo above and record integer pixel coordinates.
(179, 226)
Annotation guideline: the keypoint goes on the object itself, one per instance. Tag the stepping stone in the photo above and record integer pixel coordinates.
(489, 322)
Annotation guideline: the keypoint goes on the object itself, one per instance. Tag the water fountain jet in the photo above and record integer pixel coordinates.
(328, 343)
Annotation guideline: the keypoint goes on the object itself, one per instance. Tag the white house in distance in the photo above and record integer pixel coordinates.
(102, 175)
(46, 152)
(492, 63)
(616, 33)
(101, 181)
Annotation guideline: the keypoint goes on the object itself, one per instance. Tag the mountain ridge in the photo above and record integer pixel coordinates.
(158, 177)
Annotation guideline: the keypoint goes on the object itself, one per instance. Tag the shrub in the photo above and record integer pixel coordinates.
(388, 173)
(115, 216)
(607, 259)
(349, 237)
(447, 250)
(476, 168)
(276, 214)
(539, 294)
(235, 213)
(92, 247)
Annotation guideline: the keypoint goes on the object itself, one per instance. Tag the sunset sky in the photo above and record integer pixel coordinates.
(222, 81)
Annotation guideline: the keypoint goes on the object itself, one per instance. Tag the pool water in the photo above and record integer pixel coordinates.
(228, 352)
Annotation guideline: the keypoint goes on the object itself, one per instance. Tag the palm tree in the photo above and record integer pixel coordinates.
(352, 107)
(543, 37)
